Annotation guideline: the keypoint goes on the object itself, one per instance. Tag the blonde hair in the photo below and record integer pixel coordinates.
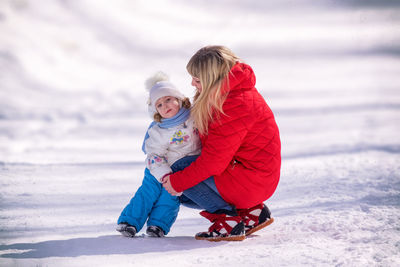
(211, 65)
(185, 104)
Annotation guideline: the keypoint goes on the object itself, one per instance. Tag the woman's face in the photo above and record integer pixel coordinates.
(196, 83)
(167, 106)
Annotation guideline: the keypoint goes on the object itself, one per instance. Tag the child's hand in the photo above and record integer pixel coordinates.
(167, 185)
(162, 178)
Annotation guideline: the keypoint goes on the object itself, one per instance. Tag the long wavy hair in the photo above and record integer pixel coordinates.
(211, 65)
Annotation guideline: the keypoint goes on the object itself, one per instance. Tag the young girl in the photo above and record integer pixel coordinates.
(241, 147)
(171, 143)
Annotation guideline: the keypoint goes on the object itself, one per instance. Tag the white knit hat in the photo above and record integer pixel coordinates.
(158, 86)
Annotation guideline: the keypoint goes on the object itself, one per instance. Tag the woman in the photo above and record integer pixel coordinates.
(239, 166)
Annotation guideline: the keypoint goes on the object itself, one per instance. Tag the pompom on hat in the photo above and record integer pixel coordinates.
(159, 86)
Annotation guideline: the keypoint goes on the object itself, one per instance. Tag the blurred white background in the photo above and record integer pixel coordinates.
(73, 115)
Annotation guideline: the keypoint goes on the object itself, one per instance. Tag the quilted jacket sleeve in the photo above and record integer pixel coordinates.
(225, 136)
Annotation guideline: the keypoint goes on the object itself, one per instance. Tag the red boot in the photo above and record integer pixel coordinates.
(225, 227)
(255, 218)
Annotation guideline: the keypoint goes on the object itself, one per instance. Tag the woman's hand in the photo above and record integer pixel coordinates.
(167, 185)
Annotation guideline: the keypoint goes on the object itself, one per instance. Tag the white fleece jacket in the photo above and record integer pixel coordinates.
(165, 146)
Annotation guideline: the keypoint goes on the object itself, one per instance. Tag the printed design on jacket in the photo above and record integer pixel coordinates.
(179, 137)
(154, 159)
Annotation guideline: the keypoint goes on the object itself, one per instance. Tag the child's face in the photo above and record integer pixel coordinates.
(167, 106)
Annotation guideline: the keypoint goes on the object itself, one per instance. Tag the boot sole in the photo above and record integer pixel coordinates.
(154, 234)
(127, 234)
(259, 227)
(222, 238)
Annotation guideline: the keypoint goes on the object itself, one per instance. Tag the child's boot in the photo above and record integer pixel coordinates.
(126, 229)
(155, 231)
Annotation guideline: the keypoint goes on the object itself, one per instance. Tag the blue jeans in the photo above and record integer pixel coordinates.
(204, 195)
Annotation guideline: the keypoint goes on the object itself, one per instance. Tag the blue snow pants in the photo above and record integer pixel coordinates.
(153, 203)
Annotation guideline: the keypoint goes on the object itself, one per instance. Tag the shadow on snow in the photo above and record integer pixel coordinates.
(102, 245)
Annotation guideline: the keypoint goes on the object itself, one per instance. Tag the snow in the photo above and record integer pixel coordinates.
(73, 115)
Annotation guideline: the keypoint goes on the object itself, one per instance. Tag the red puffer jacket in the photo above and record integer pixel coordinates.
(242, 149)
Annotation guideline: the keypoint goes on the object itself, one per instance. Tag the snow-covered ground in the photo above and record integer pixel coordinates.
(72, 119)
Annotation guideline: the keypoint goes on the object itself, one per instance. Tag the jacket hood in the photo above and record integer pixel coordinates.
(241, 76)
